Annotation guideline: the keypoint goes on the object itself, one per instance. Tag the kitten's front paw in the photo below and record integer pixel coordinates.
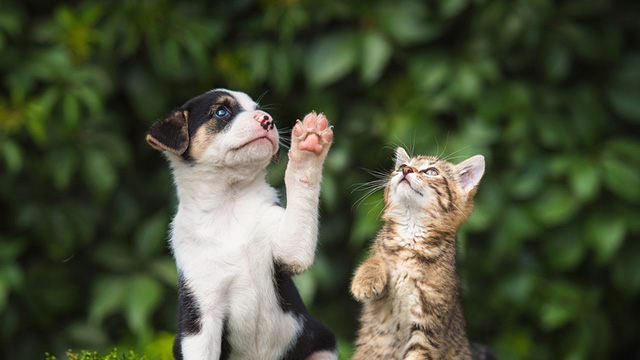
(368, 285)
(312, 135)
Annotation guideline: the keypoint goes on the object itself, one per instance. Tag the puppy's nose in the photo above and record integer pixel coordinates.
(265, 120)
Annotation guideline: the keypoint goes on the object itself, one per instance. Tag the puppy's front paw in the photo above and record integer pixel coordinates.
(312, 135)
(368, 285)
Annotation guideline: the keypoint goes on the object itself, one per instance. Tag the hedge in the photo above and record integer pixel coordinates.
(548, 91)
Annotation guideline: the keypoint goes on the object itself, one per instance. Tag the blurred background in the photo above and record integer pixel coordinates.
(548, 91)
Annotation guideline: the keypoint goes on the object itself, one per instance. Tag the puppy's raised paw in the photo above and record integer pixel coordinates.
(312, 135)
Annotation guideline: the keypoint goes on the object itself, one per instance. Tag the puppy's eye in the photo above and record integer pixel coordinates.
(221, 112)
(430, 172)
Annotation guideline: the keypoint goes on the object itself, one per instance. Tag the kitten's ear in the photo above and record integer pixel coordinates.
(401, 157)
(470, 172)
(170, 134)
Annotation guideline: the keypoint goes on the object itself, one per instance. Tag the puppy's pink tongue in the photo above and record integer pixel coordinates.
(311, 143)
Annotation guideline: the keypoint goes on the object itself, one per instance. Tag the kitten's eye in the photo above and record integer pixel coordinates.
(221, 112)
(430, 172)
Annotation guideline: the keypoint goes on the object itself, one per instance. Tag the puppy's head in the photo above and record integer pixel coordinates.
(221, 128)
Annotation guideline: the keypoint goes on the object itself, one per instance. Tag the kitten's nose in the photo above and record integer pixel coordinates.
(406, 170)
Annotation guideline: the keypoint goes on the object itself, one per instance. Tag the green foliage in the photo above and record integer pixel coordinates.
(85, 355)
(547, 91)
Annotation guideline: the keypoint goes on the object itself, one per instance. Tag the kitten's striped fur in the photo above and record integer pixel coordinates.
(409, 285)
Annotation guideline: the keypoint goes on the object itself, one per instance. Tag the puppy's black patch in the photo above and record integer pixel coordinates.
(170, 134)
(188, 310)
(225, 347)
(315, 336)
(189, 317)
(215, 109)
(202, 109)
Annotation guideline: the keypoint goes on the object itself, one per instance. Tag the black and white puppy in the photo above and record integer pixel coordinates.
(235, 247)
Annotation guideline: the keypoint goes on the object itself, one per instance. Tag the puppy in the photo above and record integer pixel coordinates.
(235, 246)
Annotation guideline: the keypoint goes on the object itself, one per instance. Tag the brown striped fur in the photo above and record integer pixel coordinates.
(409, 286)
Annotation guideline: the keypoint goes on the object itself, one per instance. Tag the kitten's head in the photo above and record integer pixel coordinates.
(437, 189)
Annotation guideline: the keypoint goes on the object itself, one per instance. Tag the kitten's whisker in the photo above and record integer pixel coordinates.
(368, 193)
(455, 152)
(456, 206)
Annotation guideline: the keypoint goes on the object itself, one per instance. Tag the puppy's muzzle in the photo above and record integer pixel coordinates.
(265, 120)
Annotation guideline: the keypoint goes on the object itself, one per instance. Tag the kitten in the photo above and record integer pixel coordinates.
(409, 285)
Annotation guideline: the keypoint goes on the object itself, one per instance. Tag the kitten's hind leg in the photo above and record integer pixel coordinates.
(421, 346)
(370, 279)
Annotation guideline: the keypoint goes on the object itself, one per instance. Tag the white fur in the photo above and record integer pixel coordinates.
(228, 231)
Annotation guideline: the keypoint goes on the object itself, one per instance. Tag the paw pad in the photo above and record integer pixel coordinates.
(313, 133)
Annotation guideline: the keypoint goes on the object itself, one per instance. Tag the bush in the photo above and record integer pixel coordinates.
(547, 91)
(85, 355)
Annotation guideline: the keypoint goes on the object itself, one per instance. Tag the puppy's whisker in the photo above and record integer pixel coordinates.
(261, 97)
(269, 106)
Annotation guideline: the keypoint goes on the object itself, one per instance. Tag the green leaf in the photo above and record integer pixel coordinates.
(114, 255)
(260, 61)
(331, 58)
(557, 61)
(64, 163)
(606, 233)
(624, 148)
(306, 286)
(584, 179)
(623, 89)
(452, 7)
(584, 41)
(12, 155)
(70, 111)
(283, 70)
(329, 192)
(99, 174)
(146, 92)
(562, 305)
(527, 181)
(376, 53)
(555, 206)
(430, 71)
(565, 249)
(165, 269)
(143, 296)
(626, 270)
(107, 297)
(621, 177)
(466, 83)
(150, 238)
(91, 99)
(589, 117)
(553, 130)
(405, 22)
(366, 221)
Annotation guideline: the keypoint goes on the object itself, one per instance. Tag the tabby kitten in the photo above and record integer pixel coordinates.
(409, 285)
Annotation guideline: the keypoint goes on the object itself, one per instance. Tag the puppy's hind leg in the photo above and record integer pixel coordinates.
(323, 355)
(209, 343)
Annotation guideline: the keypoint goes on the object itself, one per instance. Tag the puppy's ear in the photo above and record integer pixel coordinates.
(276, 156)
(170, 134)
